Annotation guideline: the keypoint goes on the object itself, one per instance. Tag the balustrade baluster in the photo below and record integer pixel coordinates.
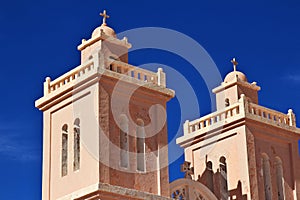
(119, 69)
(212, 120)
(114, 68)
(234, 111)
(252, 111)
(207, 122)
(201, 124)
(190, 129)
(225, 115)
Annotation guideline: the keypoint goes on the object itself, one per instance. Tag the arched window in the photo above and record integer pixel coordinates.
(124, 142)
(279, 178)
(64, 151)
(267, 176)
(227, 102)
(223, 178)
(140, 142)
(76, 163)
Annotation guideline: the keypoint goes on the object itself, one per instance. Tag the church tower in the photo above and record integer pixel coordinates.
(243, 150)
(105, 131)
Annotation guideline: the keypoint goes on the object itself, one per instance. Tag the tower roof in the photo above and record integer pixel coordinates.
(235, 74)
(105, 29)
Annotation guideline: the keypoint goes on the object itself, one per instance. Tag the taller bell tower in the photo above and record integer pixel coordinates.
(105, 131)
(244, 150)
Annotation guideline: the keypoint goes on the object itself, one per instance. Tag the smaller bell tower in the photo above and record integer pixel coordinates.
(235, 84)
(104, 40)
(243, 150)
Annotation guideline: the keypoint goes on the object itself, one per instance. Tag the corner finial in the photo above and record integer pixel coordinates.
(105, 16)
(235, 63)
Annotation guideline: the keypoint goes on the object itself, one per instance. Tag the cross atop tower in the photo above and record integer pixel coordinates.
(235, 63)
(105, 16)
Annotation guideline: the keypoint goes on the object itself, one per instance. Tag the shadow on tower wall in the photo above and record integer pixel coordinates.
(217, 182)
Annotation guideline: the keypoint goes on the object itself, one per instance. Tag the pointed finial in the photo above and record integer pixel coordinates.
(235, 63)
(105, 16)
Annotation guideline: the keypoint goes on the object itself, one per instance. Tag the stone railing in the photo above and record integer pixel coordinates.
(138, 73)
(69, 77)
(158, 78)
(238, 110)
(213, 118)
(271, 115)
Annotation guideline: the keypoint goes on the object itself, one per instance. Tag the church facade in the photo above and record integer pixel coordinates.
(105, 135)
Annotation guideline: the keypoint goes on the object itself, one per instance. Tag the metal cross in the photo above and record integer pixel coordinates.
(105, 16)
(185, 167)
(235, 63)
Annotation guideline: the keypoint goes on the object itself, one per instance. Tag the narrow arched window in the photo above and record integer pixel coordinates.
(64, 151)
(124, 142)
(223, 178)
(76, 163)
(227, 102)
(140, 142)
(279, 178)
(267, 176)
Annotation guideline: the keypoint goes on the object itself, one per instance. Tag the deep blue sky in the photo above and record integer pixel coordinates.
(40, 38)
